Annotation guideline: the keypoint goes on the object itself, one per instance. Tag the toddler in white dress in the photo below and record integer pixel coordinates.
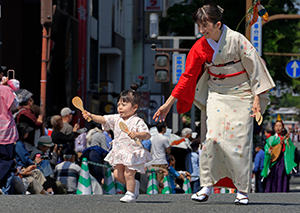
(126, 156)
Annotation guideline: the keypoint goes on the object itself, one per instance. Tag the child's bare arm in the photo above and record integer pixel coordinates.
(97, 118)
(139, 135)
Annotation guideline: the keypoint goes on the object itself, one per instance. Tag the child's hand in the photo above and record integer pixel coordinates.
(132, 135)
(86, 115)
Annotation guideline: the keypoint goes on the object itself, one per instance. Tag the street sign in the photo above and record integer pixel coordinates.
(293, 69)
(256, 35)
(153, 5)
(178, 66)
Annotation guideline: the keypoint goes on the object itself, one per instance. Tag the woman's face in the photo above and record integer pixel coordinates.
(210, 30)
(278, 127)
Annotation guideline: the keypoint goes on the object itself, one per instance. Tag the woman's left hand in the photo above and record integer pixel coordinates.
(255, 106)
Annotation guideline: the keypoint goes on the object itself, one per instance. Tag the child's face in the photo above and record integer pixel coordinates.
(126, 109)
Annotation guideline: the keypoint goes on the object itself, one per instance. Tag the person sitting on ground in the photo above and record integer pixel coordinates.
(68, 172)
(175, 176)
(26, 115)
(42, 156)
(96, 151)
(28, 180)
(67, 116)
(40, 131)
(57, 136)
(22, 156)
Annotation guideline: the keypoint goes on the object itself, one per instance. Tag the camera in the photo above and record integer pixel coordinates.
(153, 47)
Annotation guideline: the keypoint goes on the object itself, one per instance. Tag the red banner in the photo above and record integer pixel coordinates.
(81, 15)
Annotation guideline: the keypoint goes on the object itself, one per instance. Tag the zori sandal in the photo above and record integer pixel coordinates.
(241, 201)
(200, 197)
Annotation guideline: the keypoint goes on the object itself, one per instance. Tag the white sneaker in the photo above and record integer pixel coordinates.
(137, 189)
(128, 197)
(202, 195)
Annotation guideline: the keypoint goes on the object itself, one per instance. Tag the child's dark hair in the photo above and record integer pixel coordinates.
(131, 95)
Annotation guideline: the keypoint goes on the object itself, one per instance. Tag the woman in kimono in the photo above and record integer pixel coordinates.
(231, 89)
(277, 170)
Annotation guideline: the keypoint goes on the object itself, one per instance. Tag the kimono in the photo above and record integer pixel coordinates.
(222, 79)
(276, 173)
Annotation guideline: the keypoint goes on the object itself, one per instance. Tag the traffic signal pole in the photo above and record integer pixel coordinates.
(175, 116)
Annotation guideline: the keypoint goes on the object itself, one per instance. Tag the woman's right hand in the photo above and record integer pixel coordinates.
(161, 113)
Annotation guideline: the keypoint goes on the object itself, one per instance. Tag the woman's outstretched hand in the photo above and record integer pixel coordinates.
(161, 113)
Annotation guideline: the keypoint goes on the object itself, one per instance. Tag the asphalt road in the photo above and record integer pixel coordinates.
(259, 202)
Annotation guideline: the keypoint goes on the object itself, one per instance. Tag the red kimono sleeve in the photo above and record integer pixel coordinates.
(186, 87)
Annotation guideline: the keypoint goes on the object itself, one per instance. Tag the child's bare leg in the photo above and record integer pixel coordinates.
(119, 173)
(130, 180)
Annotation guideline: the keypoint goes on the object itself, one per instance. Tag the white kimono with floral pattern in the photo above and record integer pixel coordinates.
(227, 150)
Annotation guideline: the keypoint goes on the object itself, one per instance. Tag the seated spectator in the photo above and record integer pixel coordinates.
(57, 136)
(174, 175)
(29, 180)
(96, 152)
(23, 160)
(26, 115)
(67, 116)
(68, 172)
(22, 156)
(41, 157)
(44, 144)
(40, 131)
(95, 137)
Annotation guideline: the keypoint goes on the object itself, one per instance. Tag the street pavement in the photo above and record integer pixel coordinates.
(259, 202)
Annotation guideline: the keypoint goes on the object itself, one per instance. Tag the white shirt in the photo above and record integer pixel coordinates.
(159, 143)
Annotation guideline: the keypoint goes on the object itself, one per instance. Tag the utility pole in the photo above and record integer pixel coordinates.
(46, 21)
